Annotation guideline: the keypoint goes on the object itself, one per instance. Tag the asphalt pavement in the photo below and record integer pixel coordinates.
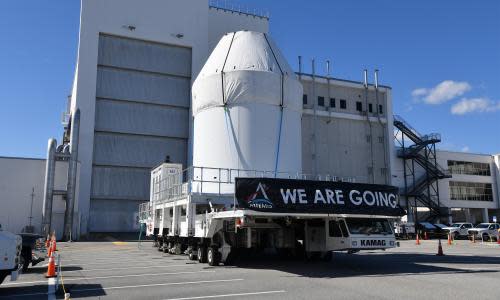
(128, 270)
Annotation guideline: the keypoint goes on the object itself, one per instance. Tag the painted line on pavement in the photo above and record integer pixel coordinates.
(228, 295)
(112, 276)
(156, 284)
(51, 294)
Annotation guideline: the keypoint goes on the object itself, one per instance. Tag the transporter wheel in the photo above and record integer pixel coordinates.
(193, 254)
(202, 254)
(177, 249)
(213, 257)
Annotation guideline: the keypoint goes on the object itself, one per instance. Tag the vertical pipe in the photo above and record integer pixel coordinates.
(300, 64)
(382, 127)
(72, 170)
(49, 187)
(314, 101)
(365, 84)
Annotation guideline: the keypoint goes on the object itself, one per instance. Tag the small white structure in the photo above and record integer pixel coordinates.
(247, 106)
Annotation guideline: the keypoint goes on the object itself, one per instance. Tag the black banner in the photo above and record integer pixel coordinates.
(309, 196)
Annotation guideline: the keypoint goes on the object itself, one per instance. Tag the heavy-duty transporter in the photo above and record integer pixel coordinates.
(216, 215)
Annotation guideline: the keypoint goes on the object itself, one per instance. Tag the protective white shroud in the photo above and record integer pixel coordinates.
(247, 106)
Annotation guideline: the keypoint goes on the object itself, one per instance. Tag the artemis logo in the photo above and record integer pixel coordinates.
(259, 199)
(368, 243)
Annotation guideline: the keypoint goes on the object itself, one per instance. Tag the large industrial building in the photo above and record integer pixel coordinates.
(137, 61)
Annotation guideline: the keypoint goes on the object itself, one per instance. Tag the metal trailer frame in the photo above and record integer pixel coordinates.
(198, 216)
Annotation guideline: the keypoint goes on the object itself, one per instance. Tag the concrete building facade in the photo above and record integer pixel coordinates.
(136, 63)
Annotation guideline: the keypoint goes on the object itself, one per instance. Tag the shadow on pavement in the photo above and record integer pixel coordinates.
(356, 265)
(42, 270)
(82, 290)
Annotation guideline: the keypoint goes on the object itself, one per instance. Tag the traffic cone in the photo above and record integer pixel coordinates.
(54, 247)
(473, 238)
(47, 241)
(49, 250)
(440, 249)
(425, 235)
(449, 239)
(417, 242)
(51, 270)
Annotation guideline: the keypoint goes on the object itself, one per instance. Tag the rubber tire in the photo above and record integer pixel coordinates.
(3, 274)
(202, 254)
(193, 255)
(213, 258)
(456, 235)
(177, 249)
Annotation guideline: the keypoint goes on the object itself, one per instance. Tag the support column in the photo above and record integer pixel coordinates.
(468, 217)
(486, 217)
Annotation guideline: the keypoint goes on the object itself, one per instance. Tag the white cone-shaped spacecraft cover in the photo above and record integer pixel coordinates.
(247, 105)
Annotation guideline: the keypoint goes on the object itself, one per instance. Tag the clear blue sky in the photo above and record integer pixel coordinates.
(442, 59)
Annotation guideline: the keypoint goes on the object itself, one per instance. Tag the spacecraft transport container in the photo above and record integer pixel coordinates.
(245, 191)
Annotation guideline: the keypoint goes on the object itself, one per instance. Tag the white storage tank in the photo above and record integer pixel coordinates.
(247, 106)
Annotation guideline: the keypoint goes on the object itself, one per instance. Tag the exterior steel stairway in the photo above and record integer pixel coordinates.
(422, 152)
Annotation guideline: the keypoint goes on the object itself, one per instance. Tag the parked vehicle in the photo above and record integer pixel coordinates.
(10, 255)
(485, 231)
(426, 228)
(458, 230)
(404, 230)
(441, 232)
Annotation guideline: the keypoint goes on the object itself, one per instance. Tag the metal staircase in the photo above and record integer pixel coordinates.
(419, 151)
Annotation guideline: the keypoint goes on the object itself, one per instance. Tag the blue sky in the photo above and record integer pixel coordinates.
(442, 59)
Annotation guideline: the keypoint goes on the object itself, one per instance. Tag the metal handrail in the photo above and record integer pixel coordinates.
(220, 181)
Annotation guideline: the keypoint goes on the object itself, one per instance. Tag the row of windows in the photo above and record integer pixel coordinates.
(472, 191)
(469, 168)
(343, 104)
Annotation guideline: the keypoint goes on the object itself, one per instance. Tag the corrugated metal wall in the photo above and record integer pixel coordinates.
(142, 115)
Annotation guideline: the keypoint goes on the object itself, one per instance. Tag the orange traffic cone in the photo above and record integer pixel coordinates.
(449, 239)
(417, 242)
(425, 235)
(440, 249)
(54, 247)
(51, 270)
(49, 250)
(54, 242)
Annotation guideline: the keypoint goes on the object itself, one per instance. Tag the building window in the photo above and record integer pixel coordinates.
(370, 170)
(359, 106)
(380, 109)
(368, 138)
(332, 102)
(321, 101)
(469, 168)
(471, 191)
(370, 107)
(380, 139)
(343, 104)
(304, 99)
(383, 171)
